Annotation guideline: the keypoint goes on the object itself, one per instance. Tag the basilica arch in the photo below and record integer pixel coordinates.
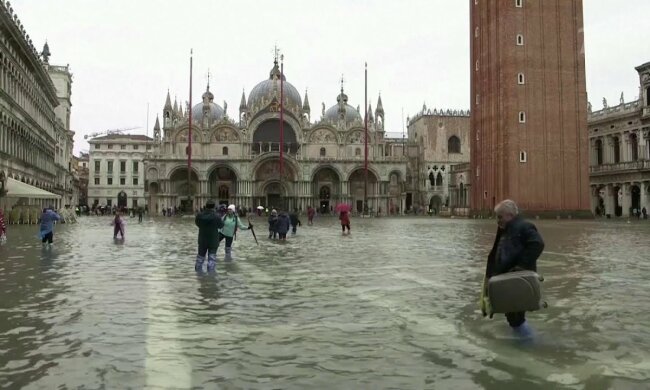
(356, 183)
(326, 187)
(222, 183)
(271, 189)
(180, 193)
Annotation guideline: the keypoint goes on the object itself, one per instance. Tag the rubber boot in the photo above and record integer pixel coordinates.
(198, 266)
(228, 257)
(212, 262)
(523, 331)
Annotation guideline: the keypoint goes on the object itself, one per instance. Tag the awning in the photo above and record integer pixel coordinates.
(18, 189)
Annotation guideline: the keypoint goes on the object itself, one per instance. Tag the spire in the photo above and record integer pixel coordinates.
(305, 105)
(180, 110)
(168, 102)
(370, 116)
(157, 125)
(175, 108)
(380, 106)
(242, 104)
(46, 53)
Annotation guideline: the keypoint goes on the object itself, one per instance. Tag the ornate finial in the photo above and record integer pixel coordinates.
(276, 53)
(208, 77)
(342, 82)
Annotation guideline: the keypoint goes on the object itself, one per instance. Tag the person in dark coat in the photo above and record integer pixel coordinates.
(295, 221)
(282, 226)
(517, 246)
(273, 221)
(209, 224)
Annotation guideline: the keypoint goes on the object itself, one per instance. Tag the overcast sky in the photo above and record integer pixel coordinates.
(125, 54)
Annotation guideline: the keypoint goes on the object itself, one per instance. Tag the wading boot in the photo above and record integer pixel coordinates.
(198, 266)
(228, 256)
(212, 262)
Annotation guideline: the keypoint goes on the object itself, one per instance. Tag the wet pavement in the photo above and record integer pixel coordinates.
(392, 306)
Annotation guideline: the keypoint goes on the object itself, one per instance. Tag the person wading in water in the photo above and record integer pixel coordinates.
(231, 223)
(209, 224)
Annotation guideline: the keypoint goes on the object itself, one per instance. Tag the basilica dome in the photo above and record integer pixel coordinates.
(342, 107)
(266, 89)
(216, 112)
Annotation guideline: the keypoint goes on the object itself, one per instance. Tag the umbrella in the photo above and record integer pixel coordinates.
(260, 207)
(343, 207)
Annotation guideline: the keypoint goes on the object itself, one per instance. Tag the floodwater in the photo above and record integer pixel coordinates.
(392, 306)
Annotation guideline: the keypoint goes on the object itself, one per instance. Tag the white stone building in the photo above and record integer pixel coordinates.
(237, 160)
(116, 174)
(619, 138)
(442, 138)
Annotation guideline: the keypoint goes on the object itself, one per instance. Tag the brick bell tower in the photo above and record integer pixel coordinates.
(529, 107)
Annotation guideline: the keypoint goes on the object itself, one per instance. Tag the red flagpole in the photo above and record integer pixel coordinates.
(189, 138)
(281, 116)
(365, 125)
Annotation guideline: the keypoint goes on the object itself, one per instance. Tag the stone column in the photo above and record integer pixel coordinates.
(609, 200)
(627, 199)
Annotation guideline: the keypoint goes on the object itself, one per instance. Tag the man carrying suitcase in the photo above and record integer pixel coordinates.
(517, 247)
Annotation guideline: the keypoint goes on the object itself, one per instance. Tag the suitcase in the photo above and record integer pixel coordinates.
(515, 292)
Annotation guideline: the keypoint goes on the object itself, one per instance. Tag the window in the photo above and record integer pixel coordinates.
(122, 147)
(96, 181)
(122, 181)
(122, 166)
(97, 166)
(453, 144)
(109, 181)
(135, 181)
(110, 167)
(323, 152)
(110, 146)
(109, 202)
(617, 150)
(519, 3)
(523, 157)
(647, 96)
(476, 32)
(599, 152)
(432, 179)
(634, 145)
(477, 98)
(148, 147)
(135, 203)
(136, 166)
(520, 40)
(478, 172)
(83, 165)
(521, 80)
(478, 135)
(439, 180)
(522, 117)
(357, 152)
(224, 151)
(97, 146)
(476, 65)
(135, 147)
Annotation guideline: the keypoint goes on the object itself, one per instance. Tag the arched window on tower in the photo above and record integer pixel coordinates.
(224, 151)
(432, 179)
(357, 152)
(439, 180)
(323, 152)
(634, 145)
(453, 144)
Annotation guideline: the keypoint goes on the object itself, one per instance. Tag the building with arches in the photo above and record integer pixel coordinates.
(236, 157)
(619, 139)
(442, 139)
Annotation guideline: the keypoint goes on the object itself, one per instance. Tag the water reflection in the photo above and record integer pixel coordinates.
(393, 305)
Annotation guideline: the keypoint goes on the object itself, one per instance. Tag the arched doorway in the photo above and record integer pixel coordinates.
(223, 184)
(154, 188)
(618, 200)
(267, 138)
(357, 185)
(635, 191)
(326, 185)
(394, 193)
(273, 190)
(273, 198)
(122, 200)
(183, 190)
(435, 204)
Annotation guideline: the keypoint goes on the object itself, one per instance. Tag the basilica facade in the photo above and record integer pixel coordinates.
(237, 159)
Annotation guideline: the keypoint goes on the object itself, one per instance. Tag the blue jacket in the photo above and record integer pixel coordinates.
(47, 221)
(519, 245)
(283, 223)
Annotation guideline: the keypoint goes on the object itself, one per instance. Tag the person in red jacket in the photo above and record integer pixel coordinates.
(344, 217)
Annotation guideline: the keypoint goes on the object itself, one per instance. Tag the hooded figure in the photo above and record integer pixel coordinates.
(273, 220)
(209, 224)
(282, 225)
(47, 225)
(231, 223)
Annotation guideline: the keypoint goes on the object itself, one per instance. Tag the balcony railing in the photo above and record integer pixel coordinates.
(621, 167)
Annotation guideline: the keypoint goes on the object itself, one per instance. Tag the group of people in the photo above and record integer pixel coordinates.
(216, 225)
(281, 223)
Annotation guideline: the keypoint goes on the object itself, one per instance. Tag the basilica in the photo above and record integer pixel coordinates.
(237, 159)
